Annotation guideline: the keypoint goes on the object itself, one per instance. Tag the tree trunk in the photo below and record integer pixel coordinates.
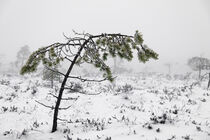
(52, 82)
(55, 117)
(199, 73)
(208, 82)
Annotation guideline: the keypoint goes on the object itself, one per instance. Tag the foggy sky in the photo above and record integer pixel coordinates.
(176, 29)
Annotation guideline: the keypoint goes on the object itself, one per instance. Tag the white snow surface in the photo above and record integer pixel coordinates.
(134, 107)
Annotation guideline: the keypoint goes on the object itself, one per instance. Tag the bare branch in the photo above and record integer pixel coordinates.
(52, 95)
(72, 55)
(64, 120)
(68, 59)
(82, 92)
(66, 36)
(114, 117)
(52, 107)
(55, 71)
(82, 34)
(65, 108)
(69, 98)
(86, 80)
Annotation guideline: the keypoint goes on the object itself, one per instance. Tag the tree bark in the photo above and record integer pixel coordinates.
(199, 73)
(55, 117)
(208, 82)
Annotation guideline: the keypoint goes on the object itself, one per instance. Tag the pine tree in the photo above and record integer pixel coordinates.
(50, 75)
(199, 64)
(87, 48)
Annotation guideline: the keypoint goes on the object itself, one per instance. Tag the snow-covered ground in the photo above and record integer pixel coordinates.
(135, 107)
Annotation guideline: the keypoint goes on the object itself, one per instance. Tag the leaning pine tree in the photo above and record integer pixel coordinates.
(92, 49)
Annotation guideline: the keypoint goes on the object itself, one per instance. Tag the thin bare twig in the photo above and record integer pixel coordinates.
(69, 98)
(52, 107)
(66, 36)
(72, 55)
(65, 108)
(68, 59)
(55, 71)
(86, 80)
(64, 120)
(83, 92)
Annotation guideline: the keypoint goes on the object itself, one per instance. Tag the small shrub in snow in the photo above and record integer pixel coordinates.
(17, 134)
(187, 137)
(158, 130)
(27, 89)
(175, 111)
(36, 124)
(153, 91)
(7, 132)
(206, 94)
(198, 128)
(126, 97)
(20, 134)
(66, 131)
(68, 138)
(125, 88)
(148, 126)
(13, 109)
(4, 109)
(5, 82)
(94, 124)
(191, 102)
(108, 138)
(172, 138)
(16, 88)
(203, 100)
(34, 90)
(75, 87)
(161, 119)
(11, 97)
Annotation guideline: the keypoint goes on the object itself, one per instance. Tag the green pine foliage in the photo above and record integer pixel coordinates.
(138, 38)
(47, 56)
(145, 53)
(122, 47)
(97, 53)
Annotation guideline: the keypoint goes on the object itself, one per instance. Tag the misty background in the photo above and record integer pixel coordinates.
(176, 29)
